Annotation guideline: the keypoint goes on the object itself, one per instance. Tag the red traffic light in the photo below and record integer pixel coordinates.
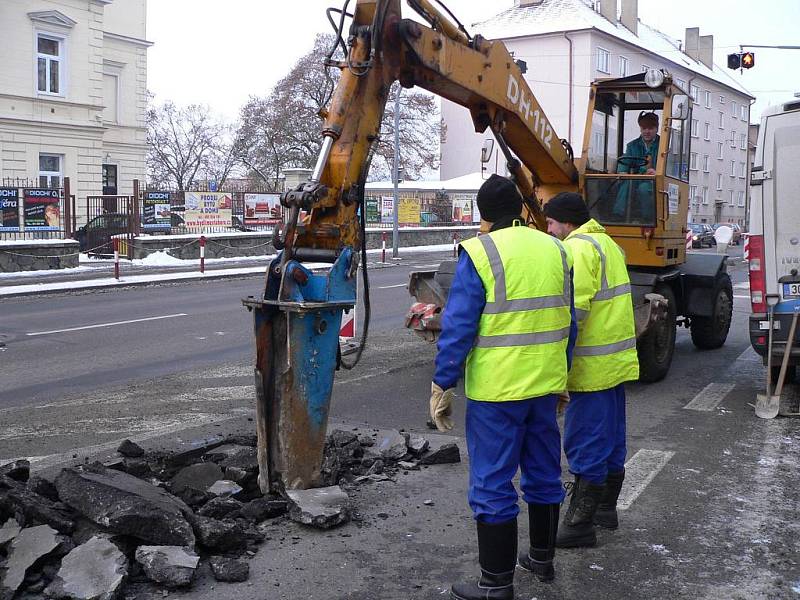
(748, 60)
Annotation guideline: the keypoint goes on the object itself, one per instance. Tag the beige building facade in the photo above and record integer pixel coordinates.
(73, 94)
(566, 44)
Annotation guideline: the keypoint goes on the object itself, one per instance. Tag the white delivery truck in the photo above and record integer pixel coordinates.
(774, 240)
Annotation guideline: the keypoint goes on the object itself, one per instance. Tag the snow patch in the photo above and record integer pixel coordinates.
(159, 259)
(659, 549)
(596, 567)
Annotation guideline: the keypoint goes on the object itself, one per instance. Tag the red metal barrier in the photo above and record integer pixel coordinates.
(116, 259)
(202, 254)
(383, 247)
(455, 244)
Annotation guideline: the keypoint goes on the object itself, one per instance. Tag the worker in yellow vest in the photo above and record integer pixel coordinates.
(604, 358)
(509, 318)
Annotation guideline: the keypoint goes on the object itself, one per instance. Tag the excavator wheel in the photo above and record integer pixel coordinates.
(711, 332)
(656, 347)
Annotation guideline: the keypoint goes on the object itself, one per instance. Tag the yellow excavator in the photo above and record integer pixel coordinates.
(297, 318)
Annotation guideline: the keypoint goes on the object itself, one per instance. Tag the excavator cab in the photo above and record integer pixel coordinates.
(636, 183)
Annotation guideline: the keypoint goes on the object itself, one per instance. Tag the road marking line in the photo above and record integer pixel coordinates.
(749, 355)
(711, 395)
(640, 470)
(107, 324)
(386, 287)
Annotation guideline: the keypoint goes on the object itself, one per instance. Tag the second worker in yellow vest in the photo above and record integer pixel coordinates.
(604, 358)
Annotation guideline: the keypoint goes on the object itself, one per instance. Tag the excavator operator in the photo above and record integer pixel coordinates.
(638, 193)
(510, 317)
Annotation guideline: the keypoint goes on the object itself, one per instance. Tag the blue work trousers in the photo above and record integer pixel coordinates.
(594, 433)
(503, 437)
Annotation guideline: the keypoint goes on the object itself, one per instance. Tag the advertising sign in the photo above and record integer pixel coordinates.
(41, 209)
(9, 209)
(408, 211)
(262, 209)
(156, 211)
(387, 209)
(208, 209)
(462, 208)
(373, 214)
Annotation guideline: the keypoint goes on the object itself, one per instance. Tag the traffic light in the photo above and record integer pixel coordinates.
(734, 60)
(748, 60)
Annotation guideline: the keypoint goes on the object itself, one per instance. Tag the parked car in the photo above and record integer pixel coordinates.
(702, 235)
(737, 232)
(96, 234)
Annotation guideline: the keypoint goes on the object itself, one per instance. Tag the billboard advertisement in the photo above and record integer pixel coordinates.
(41, 209)
(208, 209)
(262, 209)
(408, 211)
(9, 209)
(373, 212)
(387, 209)
(156, 210)
(462, 208)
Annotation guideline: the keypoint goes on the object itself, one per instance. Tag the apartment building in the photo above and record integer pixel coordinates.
(566, 44)
(73, 94)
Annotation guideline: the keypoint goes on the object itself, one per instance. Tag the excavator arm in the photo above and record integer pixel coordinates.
(297, 319)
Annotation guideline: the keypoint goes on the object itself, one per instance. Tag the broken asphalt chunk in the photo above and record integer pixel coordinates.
(392, 446)
(229, 569)
(130, 449)
(224, 488)
(341, 438)
(95, 570)
(9, 531)
(124, 504)
(31, 544)
(417, 445)
(16, 497)
(198, 477)
(219, 535)
(322, 508)
(261, 509)
(448, 453)
(18, 470)
(171, 566)
(219, 508)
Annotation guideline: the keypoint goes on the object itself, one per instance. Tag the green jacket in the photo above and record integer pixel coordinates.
(639, 149)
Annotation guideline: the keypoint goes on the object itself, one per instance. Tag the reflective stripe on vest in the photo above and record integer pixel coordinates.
(605, 348)
(501, 304)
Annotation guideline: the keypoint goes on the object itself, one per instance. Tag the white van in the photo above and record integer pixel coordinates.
(774, 244)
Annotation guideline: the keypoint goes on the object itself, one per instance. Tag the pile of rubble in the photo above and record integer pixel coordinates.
(155, 516)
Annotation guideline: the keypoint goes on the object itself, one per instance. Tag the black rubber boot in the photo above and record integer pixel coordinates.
(606, 515)
(544, 527)
(577, 528)
(497, 555)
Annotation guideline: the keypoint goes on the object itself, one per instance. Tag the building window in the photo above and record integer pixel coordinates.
(742, 170)
(743, 141)
(743, 112)
(708, 99)
(645, 68)
(730, 198)
(693, 161)
(721, 120)
(707, 131)
(693, 193)
(681, 84)
(109, 180)
(602, 60)
(49, 65)
(733, 168)
(719, 150)
(721, 99)
(696, 93)
(110, 98)
(50, 170)
(733, 139)
(740, 198)
(719, 181)
(705, 163)
(623, 66)
(734, 110)
(694, 128)
(705, 194)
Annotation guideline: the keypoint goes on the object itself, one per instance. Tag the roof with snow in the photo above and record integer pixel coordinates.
(553, 16)
(469, 182)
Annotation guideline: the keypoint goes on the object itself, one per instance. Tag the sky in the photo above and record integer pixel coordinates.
(221, 53)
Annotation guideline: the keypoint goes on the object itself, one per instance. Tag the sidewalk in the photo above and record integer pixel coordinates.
(159, 267)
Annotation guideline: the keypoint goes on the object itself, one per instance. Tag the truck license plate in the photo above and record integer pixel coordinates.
(791, 290)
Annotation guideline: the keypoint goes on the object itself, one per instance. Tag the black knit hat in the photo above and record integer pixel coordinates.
(498, 198)
(567, 207)
(650, 118)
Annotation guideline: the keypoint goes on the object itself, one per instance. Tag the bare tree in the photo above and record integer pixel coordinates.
(283, 129)
(186, 144)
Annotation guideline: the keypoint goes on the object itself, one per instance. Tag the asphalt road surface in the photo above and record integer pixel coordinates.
(710, 502)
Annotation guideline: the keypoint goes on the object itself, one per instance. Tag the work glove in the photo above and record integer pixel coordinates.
(441, 410)
(563, 400)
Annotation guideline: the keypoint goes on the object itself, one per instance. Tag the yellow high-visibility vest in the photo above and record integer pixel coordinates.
(520, 351)
(605, 352)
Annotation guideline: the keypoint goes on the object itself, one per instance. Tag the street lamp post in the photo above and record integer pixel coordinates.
(395, 175)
